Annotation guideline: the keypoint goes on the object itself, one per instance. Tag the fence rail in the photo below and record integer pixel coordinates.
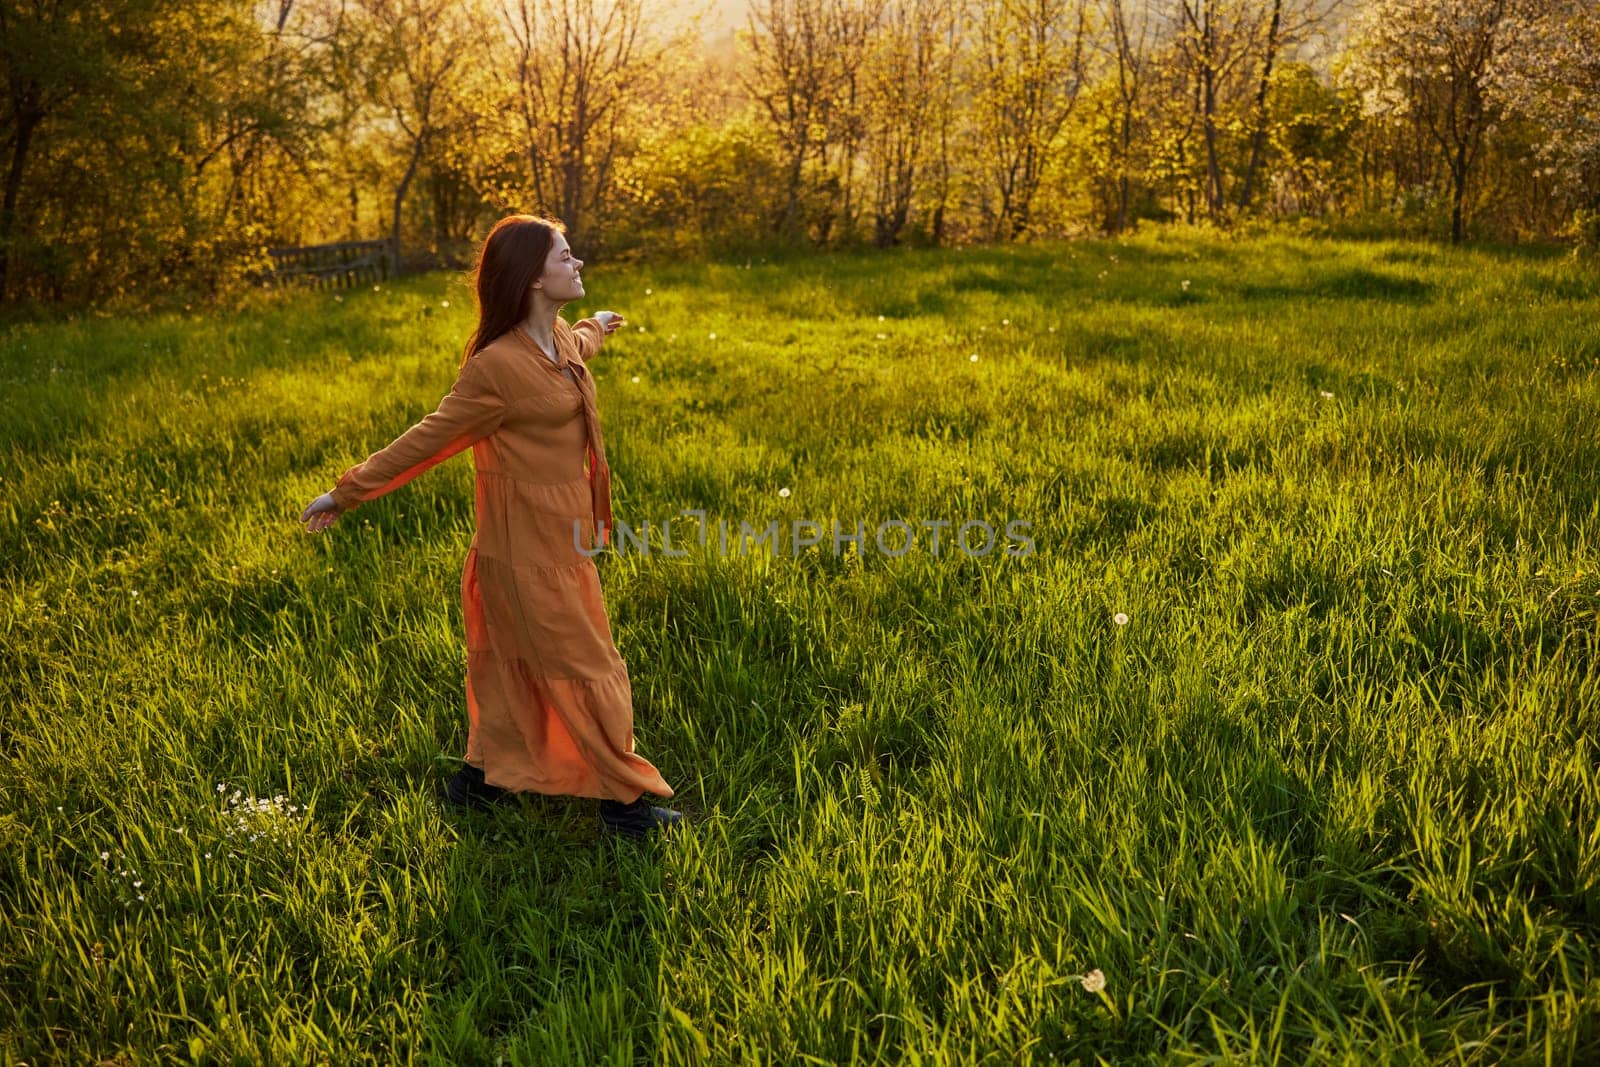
(332, 266)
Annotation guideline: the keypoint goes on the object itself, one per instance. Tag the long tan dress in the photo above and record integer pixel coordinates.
(549, 703)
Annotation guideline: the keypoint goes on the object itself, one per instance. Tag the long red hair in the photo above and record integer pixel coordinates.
(510, 260)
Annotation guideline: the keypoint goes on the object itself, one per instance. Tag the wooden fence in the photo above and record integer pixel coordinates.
(333, 266)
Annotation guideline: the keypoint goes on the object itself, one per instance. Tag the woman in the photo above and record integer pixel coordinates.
(549, 703)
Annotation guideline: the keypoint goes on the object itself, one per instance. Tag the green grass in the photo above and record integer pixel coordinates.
(1330, 795)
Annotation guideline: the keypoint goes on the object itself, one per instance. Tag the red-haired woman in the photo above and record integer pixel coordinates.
(549, 704)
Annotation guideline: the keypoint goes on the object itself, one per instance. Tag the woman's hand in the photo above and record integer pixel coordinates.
(611, 321)
(320, 514)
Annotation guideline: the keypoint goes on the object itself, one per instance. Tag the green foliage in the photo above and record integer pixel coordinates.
(1309, 127)
(142, 173)
(1328, 794)
(702, 189)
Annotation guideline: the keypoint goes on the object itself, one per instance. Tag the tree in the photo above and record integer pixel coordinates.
(137, 134)
(1129, 47)
(582, 79)
(906, 67)
(1030, 66)
(1551, 75)
(1432, 61)
(795, 73)
(417, 54)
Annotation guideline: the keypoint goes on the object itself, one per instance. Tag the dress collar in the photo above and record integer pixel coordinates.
(561, 361)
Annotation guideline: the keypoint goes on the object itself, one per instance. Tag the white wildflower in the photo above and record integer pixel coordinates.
(1094, 981)
(1120, 618)
(260, 816)
(784, 492)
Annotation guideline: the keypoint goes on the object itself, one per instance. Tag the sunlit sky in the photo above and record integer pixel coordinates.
(722, 16)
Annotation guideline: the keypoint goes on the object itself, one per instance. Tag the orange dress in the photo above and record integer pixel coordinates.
(549, 703)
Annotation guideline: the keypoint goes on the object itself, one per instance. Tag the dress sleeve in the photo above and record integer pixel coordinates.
(471, 411)
(590, 335)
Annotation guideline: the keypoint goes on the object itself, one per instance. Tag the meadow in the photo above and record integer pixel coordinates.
(1280, 746)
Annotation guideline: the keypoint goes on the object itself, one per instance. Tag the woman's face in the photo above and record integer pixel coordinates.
(560, 281)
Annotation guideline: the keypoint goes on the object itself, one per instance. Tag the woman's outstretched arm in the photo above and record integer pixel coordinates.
(590, 333)
(473, 410)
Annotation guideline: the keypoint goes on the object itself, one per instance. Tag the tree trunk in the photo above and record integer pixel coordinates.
(1208, 84)
(27, 122)
(1458, 192)
(400, 199)
(1260, 134)
(791, 208)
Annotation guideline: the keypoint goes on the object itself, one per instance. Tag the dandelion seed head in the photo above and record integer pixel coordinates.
(1120, 618)
(713, 335)
(634, 378)
(1094, 981)
(784, 491)
(973, 357)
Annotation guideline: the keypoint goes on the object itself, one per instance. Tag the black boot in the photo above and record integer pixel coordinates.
(468, 789)
(637, 819)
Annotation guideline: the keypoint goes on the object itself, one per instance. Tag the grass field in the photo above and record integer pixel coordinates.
(1330, 793)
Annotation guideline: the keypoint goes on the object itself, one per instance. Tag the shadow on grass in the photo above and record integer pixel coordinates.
(544, 938)
(1353, 284)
